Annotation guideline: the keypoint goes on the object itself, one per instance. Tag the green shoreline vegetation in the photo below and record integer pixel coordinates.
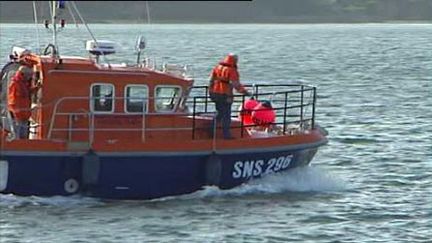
(231, 12)
(242, 23)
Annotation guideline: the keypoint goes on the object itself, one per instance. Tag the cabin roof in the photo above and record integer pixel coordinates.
(87, 64)
(68, 60)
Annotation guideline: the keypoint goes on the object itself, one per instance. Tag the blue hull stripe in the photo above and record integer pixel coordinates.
(145, 175)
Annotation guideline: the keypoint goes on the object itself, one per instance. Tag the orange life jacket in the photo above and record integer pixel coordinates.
(19, 99)
(226, 77)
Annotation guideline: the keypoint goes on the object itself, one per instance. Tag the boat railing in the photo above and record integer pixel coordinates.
(294, 105)
(91, 129)
(91, 118)
(54, 125)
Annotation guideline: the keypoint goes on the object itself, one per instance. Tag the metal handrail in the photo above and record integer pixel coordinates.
(303, 103)
(295, 98)
(92, 113)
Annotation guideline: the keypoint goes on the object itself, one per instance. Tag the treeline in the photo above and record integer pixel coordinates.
(256, 11)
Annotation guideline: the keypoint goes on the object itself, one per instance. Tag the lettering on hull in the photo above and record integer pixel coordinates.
(254, 168)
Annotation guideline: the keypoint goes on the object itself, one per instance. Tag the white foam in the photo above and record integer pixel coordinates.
(303, 179)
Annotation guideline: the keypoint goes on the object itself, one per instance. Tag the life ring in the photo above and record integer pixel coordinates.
(71, 186)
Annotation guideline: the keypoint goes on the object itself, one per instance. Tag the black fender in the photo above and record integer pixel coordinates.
(90, 169)
(213, 170)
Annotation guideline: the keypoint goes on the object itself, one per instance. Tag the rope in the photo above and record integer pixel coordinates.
(88, 29)
(73, 17)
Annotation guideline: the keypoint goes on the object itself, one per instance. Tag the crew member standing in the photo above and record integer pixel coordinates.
(223, 79)
(19, 100)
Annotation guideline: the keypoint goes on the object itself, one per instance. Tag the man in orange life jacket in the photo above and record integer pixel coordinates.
(223, 79)
(19, 99)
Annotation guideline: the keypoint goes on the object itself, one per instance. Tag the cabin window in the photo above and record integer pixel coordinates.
(102, 98)
(136, 98)
(167, 98)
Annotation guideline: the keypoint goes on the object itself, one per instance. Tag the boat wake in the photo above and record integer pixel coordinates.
(303, 179)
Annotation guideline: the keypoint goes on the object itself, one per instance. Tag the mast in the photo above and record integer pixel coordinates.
(56, 7)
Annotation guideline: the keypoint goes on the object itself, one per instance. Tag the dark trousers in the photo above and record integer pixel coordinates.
(21, 129)
(223, 107)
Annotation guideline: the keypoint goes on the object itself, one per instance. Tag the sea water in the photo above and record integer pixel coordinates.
(371, 183)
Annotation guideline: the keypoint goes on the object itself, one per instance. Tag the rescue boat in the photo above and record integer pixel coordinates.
(137, 131)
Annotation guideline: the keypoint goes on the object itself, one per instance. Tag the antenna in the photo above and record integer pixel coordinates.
(141, 43)
(139, 47)
(148, 12)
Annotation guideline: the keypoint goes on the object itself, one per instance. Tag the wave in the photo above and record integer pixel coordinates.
(303, 179)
